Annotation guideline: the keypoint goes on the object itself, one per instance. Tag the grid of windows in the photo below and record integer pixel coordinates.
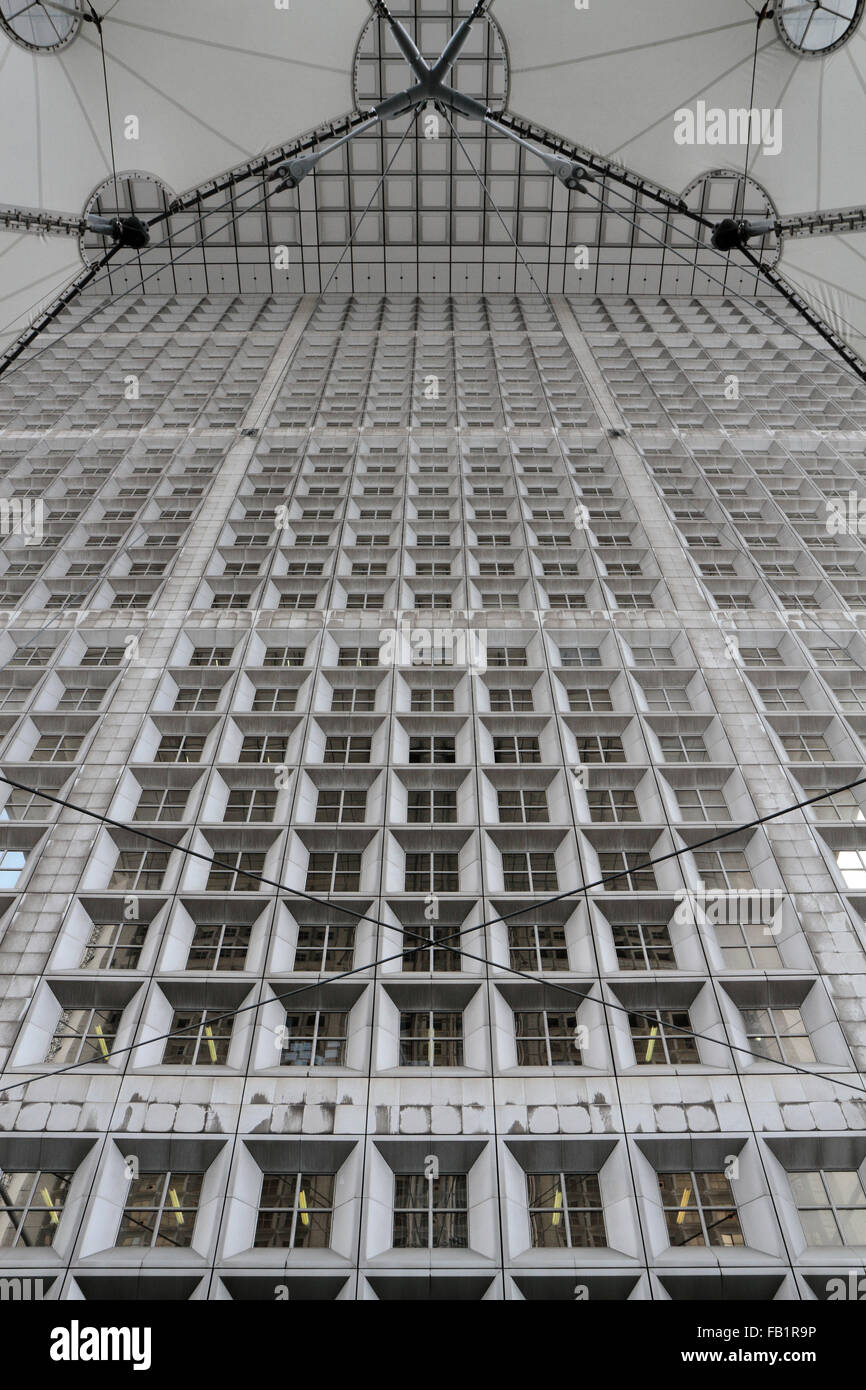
(560, 747)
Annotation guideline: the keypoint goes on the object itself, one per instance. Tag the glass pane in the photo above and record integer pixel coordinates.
(808, 1189)
(853, 1225)
(820, 1228)
(846, 1189)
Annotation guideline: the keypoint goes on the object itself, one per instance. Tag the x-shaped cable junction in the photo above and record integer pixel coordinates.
(432, 87)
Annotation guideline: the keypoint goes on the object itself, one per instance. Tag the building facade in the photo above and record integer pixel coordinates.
(417, 688)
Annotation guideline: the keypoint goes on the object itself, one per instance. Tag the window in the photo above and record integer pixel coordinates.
(817, 28)
(852, 865)
(15, 697)
(643, 946)
(114, 946)
(84, 1035)
(34, 656)
(541, 946)
(507, 656)
(653, 656)
(19, 806)
(323, 947)
(274, 699)
(724, 869)
(56, 748)
(237, 569)
(426, 598)
(599, 748)
(162, 803)
(612, 804)
(431, 748)
(353, 701)
(580, 656)
(565, 1210)
(427, 806)
(334, 873)
(250, 804)
(658, 1039)
(700, 1209)
(316, 1039)
(435, 701)
(832, 1206)
(433, 568)
(628, 870)
(841, 806)
(670, 700)
(284, 656)
(81, 697)
(547, 1039)
(620, 569)
(780, 1035)
(219, 947)
(180, 748)
(160, 1210)
(348, 748)
(589, 699)
(517, 804)
(702, 803)
(231, 875)
(143, 869)
(335, 806)
(500, 599)
(364, 600)
(786, 697)
(431, 871)
(516, 748)
(295, 1212)
(683, 748)
(849, 699)
(104, 656)
(806, 748)
(206, 656)
(511, 700)
(358, 656)
(199, 1038)
(31, 1205)
(12, 863)
(530, 872)
(263, 748)
(435, 957)
(747, 946)
(431, 1213)
(431, 1038)
(761, 656)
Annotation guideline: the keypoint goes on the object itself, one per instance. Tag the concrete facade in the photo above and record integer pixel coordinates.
(433, 608)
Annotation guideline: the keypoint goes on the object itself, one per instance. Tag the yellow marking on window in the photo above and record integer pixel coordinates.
(684, 1201)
